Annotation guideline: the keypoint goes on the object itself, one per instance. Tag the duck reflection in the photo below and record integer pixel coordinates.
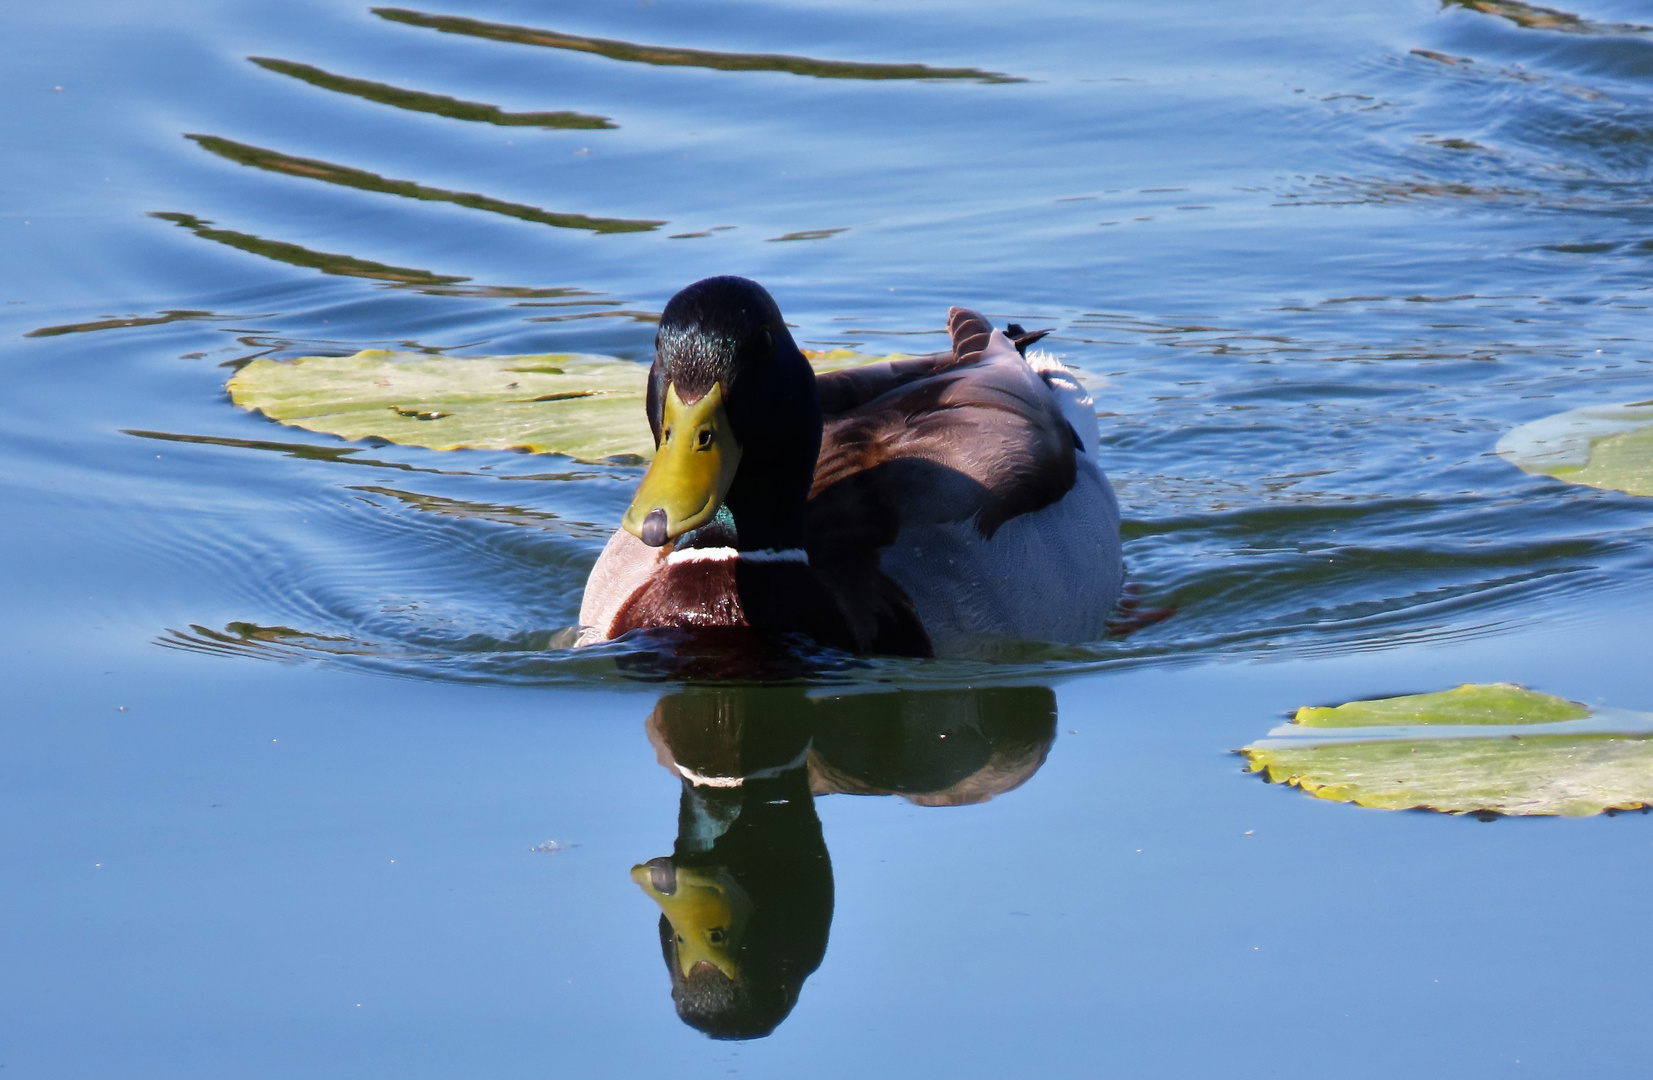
(746, 896)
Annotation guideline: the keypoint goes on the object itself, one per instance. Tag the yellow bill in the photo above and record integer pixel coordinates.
(692, 469)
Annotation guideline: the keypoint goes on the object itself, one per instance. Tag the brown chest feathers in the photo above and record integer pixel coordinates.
(770, 597)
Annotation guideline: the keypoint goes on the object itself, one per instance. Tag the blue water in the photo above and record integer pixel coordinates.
(282, 721)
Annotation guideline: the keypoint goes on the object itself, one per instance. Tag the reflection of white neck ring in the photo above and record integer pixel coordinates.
(702, 780)
(724, 554)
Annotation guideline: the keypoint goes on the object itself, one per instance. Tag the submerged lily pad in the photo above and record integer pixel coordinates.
(1600, 446)
(590, 408)
(1497, 748)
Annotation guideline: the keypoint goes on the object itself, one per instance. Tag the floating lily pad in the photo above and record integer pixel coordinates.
(1600, 446)
(1490, 703)
(586, 407)
(1497, 748)
(590, 408)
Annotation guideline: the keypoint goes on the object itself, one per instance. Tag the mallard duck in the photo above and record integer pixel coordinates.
(916, 507)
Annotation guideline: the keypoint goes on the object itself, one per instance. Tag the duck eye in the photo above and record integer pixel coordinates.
(666, 435)
(704, 439)
(715, 936)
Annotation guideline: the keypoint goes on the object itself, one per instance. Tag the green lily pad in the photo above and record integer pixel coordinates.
(1600, 446)
(1491, 748)
(586, 407)
(590, 408)
(1491, 703)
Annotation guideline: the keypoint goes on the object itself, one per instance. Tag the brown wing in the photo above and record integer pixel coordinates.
(973, 434)
(848, 389)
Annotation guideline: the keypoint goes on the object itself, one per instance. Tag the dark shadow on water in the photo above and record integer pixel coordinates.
(119, 323)
(674, 57)
(500, 513)
(337, 454)
(424, 281)
(746, 896)
(250, 639)
(293, 255)
(310, 169)
(437, 104)
(649, 317)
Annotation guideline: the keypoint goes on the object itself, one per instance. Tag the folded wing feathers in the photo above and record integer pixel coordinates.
(974, 434)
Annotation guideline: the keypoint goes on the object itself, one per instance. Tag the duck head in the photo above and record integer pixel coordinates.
(736, 420)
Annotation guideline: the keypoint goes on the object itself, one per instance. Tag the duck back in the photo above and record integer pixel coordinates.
(965, 481)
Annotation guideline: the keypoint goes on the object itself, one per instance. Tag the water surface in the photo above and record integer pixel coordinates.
(1313, 260)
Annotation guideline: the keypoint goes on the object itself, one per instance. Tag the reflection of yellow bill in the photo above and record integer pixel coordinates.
(707, 909)
(692, 469)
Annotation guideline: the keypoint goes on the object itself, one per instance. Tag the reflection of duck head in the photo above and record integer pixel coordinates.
(746, 896)
(706, 909)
